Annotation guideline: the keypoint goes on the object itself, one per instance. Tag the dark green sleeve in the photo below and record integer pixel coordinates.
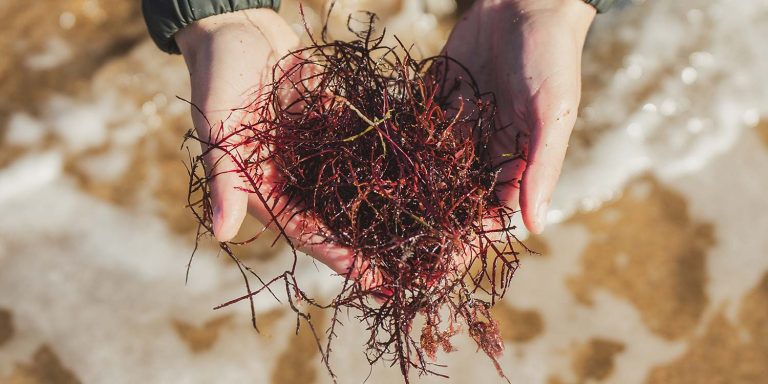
(166, 17)
(601, 5)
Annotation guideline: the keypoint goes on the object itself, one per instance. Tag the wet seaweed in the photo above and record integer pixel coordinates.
(389, 155)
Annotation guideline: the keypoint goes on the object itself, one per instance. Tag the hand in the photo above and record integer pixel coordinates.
(230, 59)
(528, 53)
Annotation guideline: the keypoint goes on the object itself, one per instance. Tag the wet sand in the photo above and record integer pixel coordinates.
(654, 269)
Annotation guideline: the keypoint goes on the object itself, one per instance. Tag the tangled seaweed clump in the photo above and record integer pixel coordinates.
(389, 154)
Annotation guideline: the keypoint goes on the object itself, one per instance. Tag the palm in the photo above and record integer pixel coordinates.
(231, 71)
(530, 61)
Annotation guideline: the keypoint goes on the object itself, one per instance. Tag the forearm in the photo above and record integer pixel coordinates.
(578, 13)
(246, 28)
(165, 18)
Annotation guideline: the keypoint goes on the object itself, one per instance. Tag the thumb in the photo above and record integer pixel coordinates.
(220, 133)
(553, 110)
(228, 200)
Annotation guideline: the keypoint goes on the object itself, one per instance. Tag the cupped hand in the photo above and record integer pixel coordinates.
(528, 54)
(230, 59)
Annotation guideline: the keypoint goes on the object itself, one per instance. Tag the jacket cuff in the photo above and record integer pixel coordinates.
(166, 17)
(600, 5)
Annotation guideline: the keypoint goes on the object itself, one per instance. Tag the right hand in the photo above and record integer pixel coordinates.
(528, 53)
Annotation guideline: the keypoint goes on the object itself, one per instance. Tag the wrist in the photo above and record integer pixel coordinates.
(577, 14)
(579, 10)
(553, 5)
(243, 26)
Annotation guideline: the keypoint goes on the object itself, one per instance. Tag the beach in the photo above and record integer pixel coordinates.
(653, 268)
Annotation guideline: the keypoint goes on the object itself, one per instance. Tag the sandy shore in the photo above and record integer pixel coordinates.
(654, 268)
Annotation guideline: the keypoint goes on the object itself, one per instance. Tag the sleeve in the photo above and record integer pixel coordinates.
(166, 17)
(601, 5)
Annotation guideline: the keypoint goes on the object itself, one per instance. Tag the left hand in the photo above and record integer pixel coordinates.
(528, 53)
(230, 59)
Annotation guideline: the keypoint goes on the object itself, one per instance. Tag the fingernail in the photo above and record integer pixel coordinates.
(217, 219)
(541, 216)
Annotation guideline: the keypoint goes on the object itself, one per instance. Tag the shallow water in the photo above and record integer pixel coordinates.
(654, 269)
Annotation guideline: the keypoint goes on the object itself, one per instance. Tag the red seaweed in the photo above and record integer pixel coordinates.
(389, 154)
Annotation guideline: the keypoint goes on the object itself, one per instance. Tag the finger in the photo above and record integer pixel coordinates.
(306, 234)
(303, 231)
(222, 160)
(552, 114)
(228, 199)
(225, 76)
(508, 183)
